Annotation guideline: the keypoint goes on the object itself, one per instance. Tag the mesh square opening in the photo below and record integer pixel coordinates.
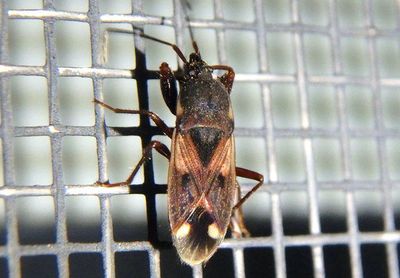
(337, 261)
(332, 211)
(290, 160)
(354, 51)
(221, 257)
(241, 51)
(39, 266)
(238, 10)
(390, 104)
(259, 262)
(317, 54)
(157, 53)
(285, 106)
(158, 8)
(22, 4)
(29, 99)
(364, 159)
(393, 158)
(75, 97)
(350, 14)
(83, 219)
(123, 153)
(120, 93)
(322, 106)
(314, 12)
(277, 12)
(299, 262)
(328, 160)
(4, 272)
(384, 14)
(281, 52)
(388, 56)
(374, 260)
(369, 206)
(33, 160)
(73, 44)
(119, 49)
(359, 107)
(172, 265)
(129, 217)
(36, 220)
(79, 160)
(127, 263)
(3, 236)
(115, 7)
(257, 214)
(26, 41)
(247, 105)
(85, 265)
(295, 214)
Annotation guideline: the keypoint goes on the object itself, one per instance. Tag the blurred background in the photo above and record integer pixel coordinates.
(316, 102)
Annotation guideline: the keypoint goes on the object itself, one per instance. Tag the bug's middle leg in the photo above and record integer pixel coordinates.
(158, 146)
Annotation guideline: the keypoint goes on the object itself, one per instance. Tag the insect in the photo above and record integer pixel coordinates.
(203, 194)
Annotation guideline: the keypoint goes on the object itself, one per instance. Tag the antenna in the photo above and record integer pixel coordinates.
(186, 6)
(139, 31)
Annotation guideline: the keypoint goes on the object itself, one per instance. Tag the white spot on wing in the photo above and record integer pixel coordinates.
(213, 231)
(183, 230)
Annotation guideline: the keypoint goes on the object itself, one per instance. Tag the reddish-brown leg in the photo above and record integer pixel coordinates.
(226, 79)
(237, 225)
(156, 119)
(168, 87)
(158, 146)
(248, 174)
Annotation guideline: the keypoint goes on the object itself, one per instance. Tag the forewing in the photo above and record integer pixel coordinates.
(221, 195)
(182, 189)
(200, 197)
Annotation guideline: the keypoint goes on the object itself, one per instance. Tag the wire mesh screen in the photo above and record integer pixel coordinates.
(316, 100)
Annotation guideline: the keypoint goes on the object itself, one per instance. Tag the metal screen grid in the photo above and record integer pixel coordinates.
(278, 241)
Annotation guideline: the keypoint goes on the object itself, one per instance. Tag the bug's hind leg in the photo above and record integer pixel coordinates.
(238, 227)
(158, 146)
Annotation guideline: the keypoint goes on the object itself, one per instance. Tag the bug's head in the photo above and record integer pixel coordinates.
(196, 65)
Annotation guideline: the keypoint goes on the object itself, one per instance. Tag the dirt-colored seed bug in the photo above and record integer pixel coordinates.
(203, 194)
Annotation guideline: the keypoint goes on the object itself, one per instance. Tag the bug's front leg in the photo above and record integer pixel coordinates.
(168, 87)
(237, 225)
(226, 79)
(158, 146)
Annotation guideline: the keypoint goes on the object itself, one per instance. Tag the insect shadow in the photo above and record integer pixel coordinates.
(146, 131)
